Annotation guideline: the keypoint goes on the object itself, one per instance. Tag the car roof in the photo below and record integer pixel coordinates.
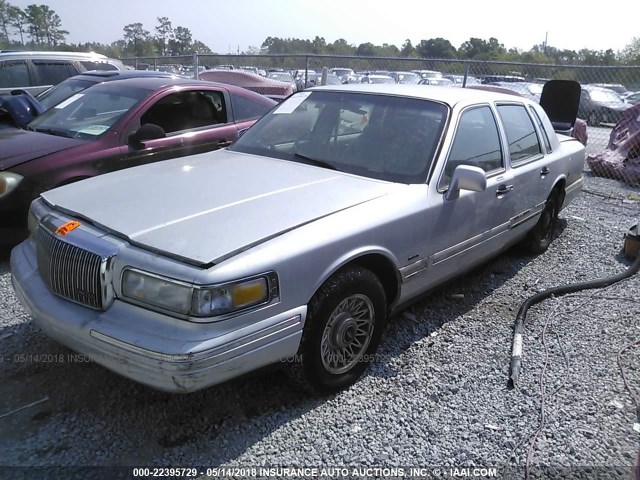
(596, 88)
(449, 95)
(105, 75)
(44, 54)
(154, 82)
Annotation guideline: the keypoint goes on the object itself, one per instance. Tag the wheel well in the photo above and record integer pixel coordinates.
(382, 268)
(559, 188)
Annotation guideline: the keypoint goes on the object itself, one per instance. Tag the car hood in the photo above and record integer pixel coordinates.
(206, 208)
(19, 146)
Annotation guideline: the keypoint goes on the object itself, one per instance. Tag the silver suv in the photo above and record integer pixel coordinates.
(37, 71)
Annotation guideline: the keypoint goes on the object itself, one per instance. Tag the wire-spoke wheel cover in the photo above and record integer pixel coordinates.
(347, 334)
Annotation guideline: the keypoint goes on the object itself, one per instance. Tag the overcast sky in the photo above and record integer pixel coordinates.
(226, 25)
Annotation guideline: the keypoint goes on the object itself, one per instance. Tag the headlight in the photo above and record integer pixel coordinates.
(233, 296)
(157, 291)
(210, 301)
(8, 181)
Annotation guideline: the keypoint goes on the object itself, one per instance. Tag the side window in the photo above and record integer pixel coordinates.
(545, 137)
(14, 74)
(246, 109)
(216, 99)
(521, 135)
(186, 110)
(476, 143)
(52, 72)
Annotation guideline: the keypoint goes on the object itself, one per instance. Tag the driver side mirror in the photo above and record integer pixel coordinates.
(466, 177)
(148, 131)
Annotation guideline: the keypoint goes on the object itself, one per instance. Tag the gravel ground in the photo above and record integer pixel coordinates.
(436, 397)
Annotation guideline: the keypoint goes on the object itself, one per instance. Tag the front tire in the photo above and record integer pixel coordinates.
(344, 325)
(540, 236)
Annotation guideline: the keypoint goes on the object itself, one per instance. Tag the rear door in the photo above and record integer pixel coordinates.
(530, 157)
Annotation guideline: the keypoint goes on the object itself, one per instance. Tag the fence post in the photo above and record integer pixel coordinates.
(136, 64)
(196, 63)
(466, 74)
(306, 71)
(155, 64)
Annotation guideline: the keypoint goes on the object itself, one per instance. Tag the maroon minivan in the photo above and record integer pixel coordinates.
(115, 125)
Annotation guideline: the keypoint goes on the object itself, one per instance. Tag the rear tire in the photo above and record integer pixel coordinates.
(593, 119)
(344, 325)
(540, 236)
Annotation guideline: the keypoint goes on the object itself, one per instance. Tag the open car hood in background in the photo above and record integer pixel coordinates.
(560, 99)
(21, 107)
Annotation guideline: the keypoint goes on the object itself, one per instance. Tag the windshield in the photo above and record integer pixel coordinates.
(62, 91)
(282, 77)
(605, 96)
(407, 77)
(535, 88)
(373, 79)
(379, 136)
(88, 114)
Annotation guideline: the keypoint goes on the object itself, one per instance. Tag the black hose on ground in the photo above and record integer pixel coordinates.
(516, 350)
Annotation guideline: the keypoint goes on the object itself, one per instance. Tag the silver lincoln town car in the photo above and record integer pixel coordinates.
(296, 243)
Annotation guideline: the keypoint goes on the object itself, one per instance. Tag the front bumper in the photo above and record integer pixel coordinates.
(151, 348)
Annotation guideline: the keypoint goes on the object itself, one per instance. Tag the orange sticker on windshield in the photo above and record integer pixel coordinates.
(62, 230)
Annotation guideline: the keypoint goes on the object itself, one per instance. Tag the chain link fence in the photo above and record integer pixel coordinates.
(602, 102)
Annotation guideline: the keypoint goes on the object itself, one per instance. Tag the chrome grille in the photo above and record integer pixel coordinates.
(70, 271)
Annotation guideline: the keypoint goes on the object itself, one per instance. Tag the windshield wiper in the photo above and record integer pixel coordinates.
(54, 131)
(316, 161)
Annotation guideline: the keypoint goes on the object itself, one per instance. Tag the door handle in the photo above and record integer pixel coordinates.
(504, 189)
(544, 171)
(224, 143)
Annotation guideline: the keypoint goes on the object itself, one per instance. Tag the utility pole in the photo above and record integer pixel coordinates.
(544, 45)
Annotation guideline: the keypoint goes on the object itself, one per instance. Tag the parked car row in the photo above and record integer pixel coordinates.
(294, 245)
(101, 122)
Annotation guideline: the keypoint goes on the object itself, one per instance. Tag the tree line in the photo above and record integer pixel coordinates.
(40, 27)
(441, 48)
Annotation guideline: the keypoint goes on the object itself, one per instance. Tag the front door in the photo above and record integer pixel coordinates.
(194, 121)
(468, 229)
